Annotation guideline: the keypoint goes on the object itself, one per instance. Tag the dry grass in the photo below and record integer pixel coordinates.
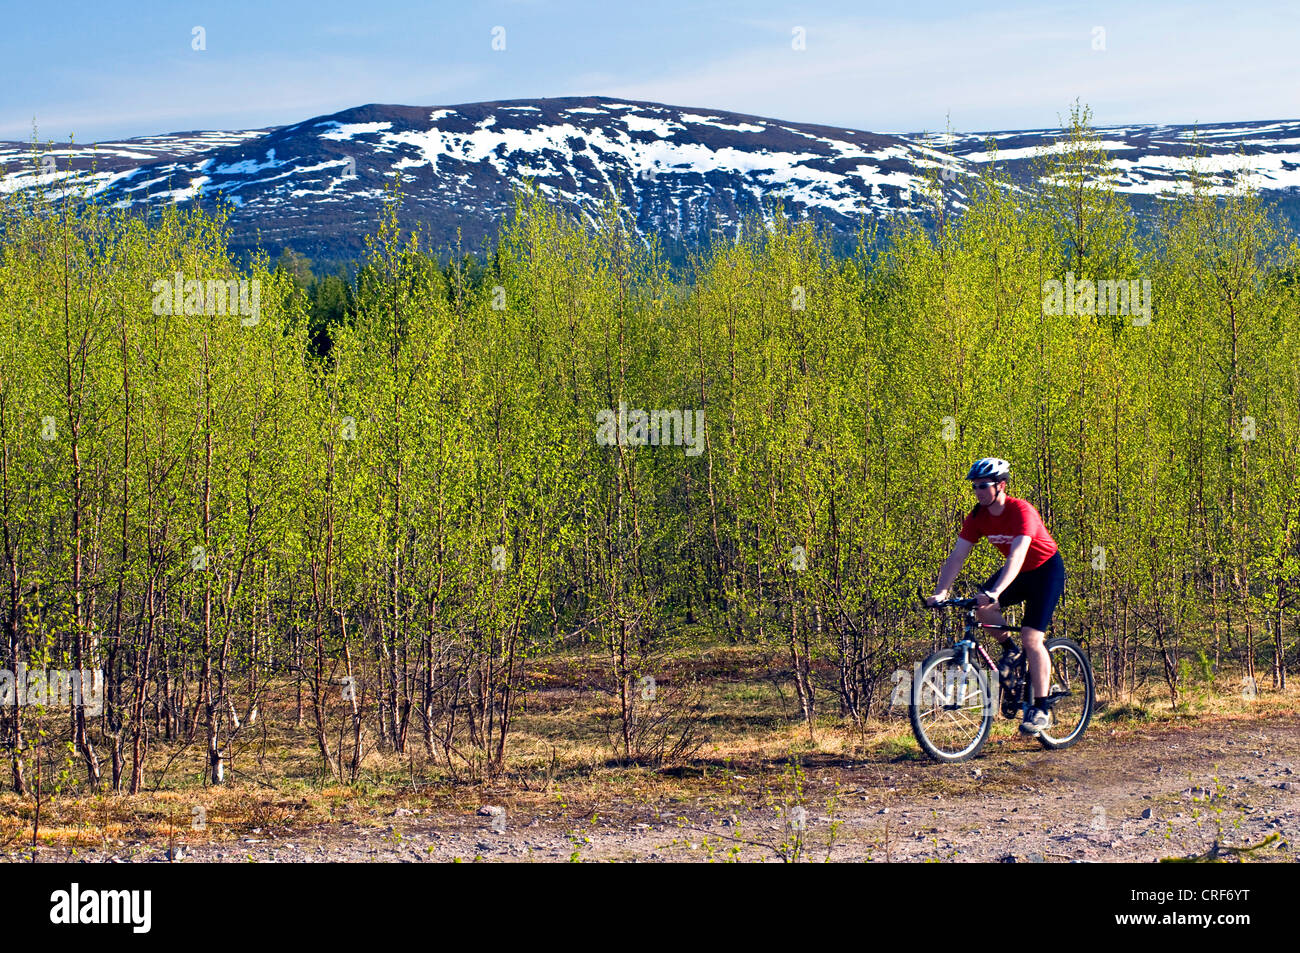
(559, 754)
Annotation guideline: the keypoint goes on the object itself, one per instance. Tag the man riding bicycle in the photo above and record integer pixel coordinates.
(1033, 574)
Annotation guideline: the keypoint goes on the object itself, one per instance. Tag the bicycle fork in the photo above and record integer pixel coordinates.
(965, 646)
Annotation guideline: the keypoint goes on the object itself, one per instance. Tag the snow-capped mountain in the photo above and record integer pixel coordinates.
(317, 186)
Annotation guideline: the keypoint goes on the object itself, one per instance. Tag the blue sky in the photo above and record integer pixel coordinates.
(101, 70)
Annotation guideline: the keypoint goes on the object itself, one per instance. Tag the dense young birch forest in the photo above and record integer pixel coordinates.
(371, 530)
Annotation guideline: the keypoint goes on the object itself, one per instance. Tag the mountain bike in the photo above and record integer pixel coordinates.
(952, 694)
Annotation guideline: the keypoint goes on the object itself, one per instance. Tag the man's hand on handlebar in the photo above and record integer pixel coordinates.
(937, 598)
(984, 599)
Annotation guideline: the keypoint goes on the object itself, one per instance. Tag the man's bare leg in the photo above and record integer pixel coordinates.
(991, 616)
(1039, 664)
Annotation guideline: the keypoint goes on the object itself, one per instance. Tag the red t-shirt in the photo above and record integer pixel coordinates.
(1018, 518)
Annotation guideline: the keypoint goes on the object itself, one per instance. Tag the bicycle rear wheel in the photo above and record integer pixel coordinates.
(951, 710)
(1070, 685)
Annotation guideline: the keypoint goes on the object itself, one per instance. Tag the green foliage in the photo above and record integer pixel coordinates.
(393, 482)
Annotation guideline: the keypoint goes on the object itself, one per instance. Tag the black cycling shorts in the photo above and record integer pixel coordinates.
(1039, 589)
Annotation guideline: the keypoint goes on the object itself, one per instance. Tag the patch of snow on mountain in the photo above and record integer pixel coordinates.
(870, 175)
(800, 132)
(1229, 132)
(185, 194)
(663, 128)
(350, 129)
(815, 187)
(112, 149)
(1271, 142)
(187, 144)
(1224, 169)
(248, 166)
(1047, 148)
(717, 123)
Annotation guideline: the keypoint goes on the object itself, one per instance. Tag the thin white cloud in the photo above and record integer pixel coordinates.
(985, 69)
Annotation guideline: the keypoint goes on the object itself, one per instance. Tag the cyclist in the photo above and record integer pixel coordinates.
(1033, 574)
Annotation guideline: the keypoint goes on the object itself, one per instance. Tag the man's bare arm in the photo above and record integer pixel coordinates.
(1011, 569)
(951, 566)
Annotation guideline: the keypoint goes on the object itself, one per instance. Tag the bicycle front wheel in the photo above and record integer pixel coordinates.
(1071, 688)
(951, 709)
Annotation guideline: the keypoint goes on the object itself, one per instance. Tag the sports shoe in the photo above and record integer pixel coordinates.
(1011, 656)
(1035, 721)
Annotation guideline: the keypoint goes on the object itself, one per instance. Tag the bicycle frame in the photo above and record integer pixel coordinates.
(967, 642)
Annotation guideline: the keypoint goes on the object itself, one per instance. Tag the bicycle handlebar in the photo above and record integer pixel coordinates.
(946, 603)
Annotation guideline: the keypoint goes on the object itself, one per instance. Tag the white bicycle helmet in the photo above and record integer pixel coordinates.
(989, 468)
